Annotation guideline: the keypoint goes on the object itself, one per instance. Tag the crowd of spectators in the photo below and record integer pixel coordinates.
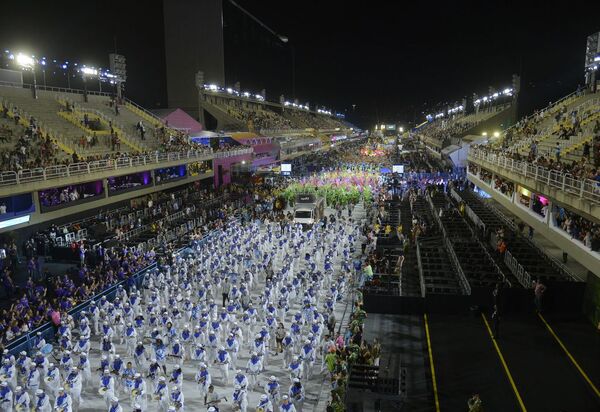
(32, 147)
(63, 195)
(504, 186)
(578, 228)
(257, 120)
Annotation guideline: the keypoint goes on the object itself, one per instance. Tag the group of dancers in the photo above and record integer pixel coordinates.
(264, 291)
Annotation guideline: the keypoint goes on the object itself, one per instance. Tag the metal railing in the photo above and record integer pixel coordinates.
(11, 178)
(517, 269)
(584, 188)
(421, 275)
(462, 278)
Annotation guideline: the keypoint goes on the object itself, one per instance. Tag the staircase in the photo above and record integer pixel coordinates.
(98, 107)
(45, 112)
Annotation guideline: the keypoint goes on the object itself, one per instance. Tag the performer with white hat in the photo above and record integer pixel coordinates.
(264, 405)
(177, 399)
(22, 400)
(52, 379)
(240, 399)
(161, 394)
(286, 405)
(223, 362)
(6, 397)
(32, 383)
(85, 368)
(114, 405)
(203, 379)
(272, 389)
(10, 373)
(138, 391)
(107, 387)
(41, 402)
(63, 401)
(73, 385)
(296, 394)
(254, 367)
(130, 338)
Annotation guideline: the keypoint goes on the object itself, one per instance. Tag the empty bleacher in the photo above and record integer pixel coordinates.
(533, 260)
(476, 264)
(435, 265)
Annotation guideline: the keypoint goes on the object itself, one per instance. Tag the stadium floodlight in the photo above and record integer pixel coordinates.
(213, 87)
(246, 94)
(229, 90)
(90, 71)
(25, 61)
(258, 96)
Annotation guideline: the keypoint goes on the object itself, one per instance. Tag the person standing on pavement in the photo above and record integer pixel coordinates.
(538, 291)
(225, 289)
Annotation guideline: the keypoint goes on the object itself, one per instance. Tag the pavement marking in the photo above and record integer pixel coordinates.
(435, 390)
(510, 378)
(571, 358)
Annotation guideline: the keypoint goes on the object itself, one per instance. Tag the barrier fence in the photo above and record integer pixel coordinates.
(420, 266)
(518, 270)
(462, 279)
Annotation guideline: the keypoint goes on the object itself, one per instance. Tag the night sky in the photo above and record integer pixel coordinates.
(393, 60)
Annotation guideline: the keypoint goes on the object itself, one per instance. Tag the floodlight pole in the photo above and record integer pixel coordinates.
(34, 83)
(85, 93)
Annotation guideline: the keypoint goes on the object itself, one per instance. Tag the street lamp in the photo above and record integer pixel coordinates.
(286, 40)
(28, 62)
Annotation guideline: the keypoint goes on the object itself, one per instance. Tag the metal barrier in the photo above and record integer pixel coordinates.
(462, 278)
(420, 266)
(518, 270)
(581, 187)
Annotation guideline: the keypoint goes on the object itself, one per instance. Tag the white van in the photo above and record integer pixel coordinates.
(309, 209)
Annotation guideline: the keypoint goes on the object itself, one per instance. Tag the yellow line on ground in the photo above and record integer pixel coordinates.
(508, 374)
(571, 358)
(435, 390)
